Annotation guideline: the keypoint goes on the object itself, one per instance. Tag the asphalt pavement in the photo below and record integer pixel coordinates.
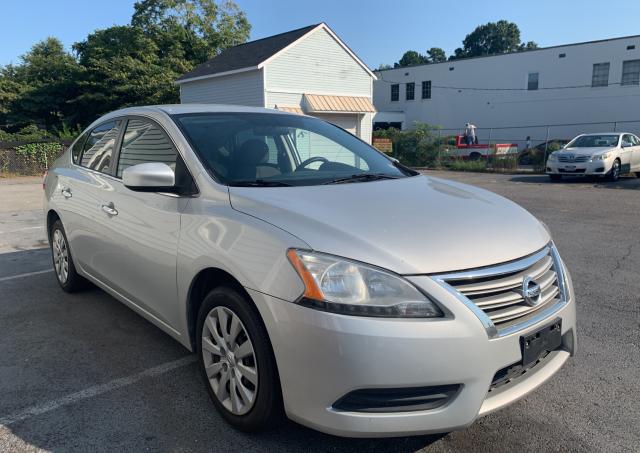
(84, 373)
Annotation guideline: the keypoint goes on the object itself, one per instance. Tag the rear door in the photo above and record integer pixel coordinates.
(626, 152)
(635, 156)
(144, 227)
(81, 187)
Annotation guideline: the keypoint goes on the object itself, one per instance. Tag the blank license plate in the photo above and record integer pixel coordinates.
(540, 342)
(570, 167)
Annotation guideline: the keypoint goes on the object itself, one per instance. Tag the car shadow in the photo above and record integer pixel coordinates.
(625, 182)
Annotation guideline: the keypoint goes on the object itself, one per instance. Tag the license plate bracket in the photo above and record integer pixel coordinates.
(546, 339)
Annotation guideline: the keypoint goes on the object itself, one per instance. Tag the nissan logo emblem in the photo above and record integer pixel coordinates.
(531, 291)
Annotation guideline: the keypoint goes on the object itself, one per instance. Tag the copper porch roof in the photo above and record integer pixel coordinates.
(316, 103)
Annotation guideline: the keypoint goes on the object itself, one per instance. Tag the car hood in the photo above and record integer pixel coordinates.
(412, 225)
(586, 151)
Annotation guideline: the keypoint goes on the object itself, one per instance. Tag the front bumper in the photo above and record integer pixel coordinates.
(599, 167)
(323, 356)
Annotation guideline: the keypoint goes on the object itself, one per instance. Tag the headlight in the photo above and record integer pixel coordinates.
(553, 157)
(351, 288)
(603, 156)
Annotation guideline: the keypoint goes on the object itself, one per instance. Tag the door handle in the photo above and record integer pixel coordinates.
(109, 209)
(66, 192)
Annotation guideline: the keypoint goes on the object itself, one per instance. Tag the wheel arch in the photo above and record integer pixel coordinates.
(205, 281)
(52, 216)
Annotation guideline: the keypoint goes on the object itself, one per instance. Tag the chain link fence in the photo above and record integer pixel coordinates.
(499, 149)
(28, 158)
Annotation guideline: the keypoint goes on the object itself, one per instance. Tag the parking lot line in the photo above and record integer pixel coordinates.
(96, 390)
(27, 274)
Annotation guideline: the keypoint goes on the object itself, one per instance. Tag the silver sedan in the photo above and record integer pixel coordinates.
(313, 276)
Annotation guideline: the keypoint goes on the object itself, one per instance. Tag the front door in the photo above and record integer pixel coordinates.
(143, 228)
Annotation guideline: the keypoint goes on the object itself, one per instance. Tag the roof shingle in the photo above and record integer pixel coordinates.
(247, 55)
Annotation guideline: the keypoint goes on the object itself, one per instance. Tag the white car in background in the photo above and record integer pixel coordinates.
(608, 154)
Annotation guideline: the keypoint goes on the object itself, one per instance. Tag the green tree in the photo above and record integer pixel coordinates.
(492, 38)
(138, 63)
(121, 66)
(39, 88)
(195, 30)
(383, 66)
(411, 58)
(436, 55)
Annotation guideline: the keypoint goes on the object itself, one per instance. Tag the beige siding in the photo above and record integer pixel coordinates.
(366, 127)
(317, 64)
(243, 88)
(290, 99)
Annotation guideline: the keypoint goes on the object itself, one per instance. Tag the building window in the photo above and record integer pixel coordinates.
(532, 81)
(426, 89)
(631, 47)
(600, 76)
(562, 55)
(411, 91)
(631, 72)
(395, 92)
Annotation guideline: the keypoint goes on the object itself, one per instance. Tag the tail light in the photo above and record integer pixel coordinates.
(44, 179)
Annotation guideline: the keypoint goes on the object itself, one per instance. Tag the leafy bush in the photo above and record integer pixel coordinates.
(418, 147)
(468, 165)
(504, 163)
(39, 154)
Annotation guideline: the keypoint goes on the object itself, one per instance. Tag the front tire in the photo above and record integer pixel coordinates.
(614, 173)
(237, 362)
(68, 279)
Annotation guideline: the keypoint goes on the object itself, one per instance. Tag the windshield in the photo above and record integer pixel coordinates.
(594, 141)
(263, 149)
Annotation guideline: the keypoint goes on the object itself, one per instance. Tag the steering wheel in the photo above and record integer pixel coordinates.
(312, 160)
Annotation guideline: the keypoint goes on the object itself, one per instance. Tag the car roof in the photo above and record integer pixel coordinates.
(173, 109)
(604, 133)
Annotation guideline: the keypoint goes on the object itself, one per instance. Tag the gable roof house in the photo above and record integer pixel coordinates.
(309, 70)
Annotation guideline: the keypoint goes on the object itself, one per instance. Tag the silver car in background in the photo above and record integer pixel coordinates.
(314, 276)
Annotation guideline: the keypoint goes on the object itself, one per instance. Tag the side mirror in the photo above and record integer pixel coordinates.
(149, 177)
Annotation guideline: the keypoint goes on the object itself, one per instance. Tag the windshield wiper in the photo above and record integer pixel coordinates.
(259, 183)
(361, 177)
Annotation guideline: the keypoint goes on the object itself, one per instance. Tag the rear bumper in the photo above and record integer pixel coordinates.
(322, 357)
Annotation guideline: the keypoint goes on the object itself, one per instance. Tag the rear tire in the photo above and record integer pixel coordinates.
(614, 173)
(638, 174)
(66, 275)
(475, 156)
(555, 177)
(245, 389)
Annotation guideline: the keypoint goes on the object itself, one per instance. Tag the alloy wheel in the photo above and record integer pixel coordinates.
(615, 170)
(229, 360)
(60, 256)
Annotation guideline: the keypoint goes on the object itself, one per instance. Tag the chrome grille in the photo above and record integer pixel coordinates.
(498, 291)
(572, 158)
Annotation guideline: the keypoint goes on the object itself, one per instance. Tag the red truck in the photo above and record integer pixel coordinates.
(477, 151)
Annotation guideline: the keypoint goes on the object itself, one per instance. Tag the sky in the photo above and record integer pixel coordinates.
(379, 31)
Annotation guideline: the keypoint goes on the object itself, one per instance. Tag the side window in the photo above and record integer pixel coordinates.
(627, 140)
(98, 149)
(144, 142)
(76, 148)
(395, 92)
(634, 140)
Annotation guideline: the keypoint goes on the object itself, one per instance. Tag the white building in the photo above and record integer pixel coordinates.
(309, 70)
(591, 82)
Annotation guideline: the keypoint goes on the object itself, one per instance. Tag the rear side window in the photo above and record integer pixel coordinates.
(143, 142)
(97, 151)
(76, 149)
